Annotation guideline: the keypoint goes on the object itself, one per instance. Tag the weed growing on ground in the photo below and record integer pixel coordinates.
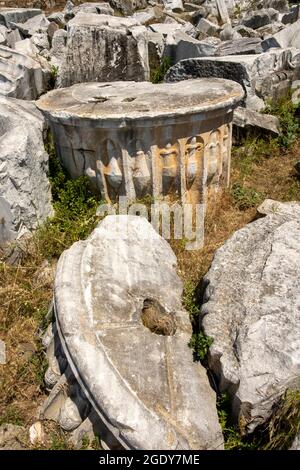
(158, 74)
(246, 197)
(286, 111)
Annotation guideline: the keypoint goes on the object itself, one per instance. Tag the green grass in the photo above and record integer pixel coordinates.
(246, 197)
(286, 111)
(199, 342)
(12, 416)
(75, 211)
(157, 74)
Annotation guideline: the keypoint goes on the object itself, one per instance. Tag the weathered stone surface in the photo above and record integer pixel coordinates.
(223, 12)
(292, 16)
(256, 19)
(180, 46)
(10, 16)
(270, 29)
(128, 7)
(21, 76)
(103, 47)
(116, 358)
(252, 311)
(12, 437)
(37, 435)
(296, 443)
(279, 5)
(246, 32)
(25, 198)
(247, 118)
(240, 46)
(37, 24)
(207, 27)
(265, 75)
(228, 33)
(13, 36)
(3, 35)
(289, 36)
(173, 5)
(57, 18)
(143, 139)
(59, 47)
(100, 8)
(165, 28)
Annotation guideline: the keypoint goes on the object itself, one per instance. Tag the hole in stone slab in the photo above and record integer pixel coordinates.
(100, 99)
(105, 85)
(128, 100)
(156, 319)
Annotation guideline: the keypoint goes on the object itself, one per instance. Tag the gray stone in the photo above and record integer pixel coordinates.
(37, 434)
(3, 35)
(69, 418)
(21, 76)
(41, 41)
(13, 36)
(289, 36)
(100, 8)
(25, 197)
(205, 26)
(246, 32)
(37, 24)
(28, 48)
(59, 47)
(173, 5)
(116, 358)
(103, 47)
(251, 311)
(265, 75)
(269, 29)
(247, 118)
(2, 352)
(292, 16)
(165, 28)
(223, 12)
(279, 5)
(145, 17)
(269, 43)
(69, 11)
(10, 16)
(239, 46)
(57, 18)
(181, 46)
(128, 7)
(256, 19)
(228, 33)
(296, 443)
(12, 437)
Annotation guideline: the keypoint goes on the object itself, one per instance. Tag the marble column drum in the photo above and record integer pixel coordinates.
(171, 141)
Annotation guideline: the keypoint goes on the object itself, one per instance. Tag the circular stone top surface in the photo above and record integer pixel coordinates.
(138, 100)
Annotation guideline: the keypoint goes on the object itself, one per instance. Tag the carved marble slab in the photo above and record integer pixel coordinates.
(137, 139)
(125, 334)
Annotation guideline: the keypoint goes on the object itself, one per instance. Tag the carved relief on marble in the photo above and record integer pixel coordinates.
(140, 172)
(169, 164)
(109, 170)
(194, 169)
(213, 158)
